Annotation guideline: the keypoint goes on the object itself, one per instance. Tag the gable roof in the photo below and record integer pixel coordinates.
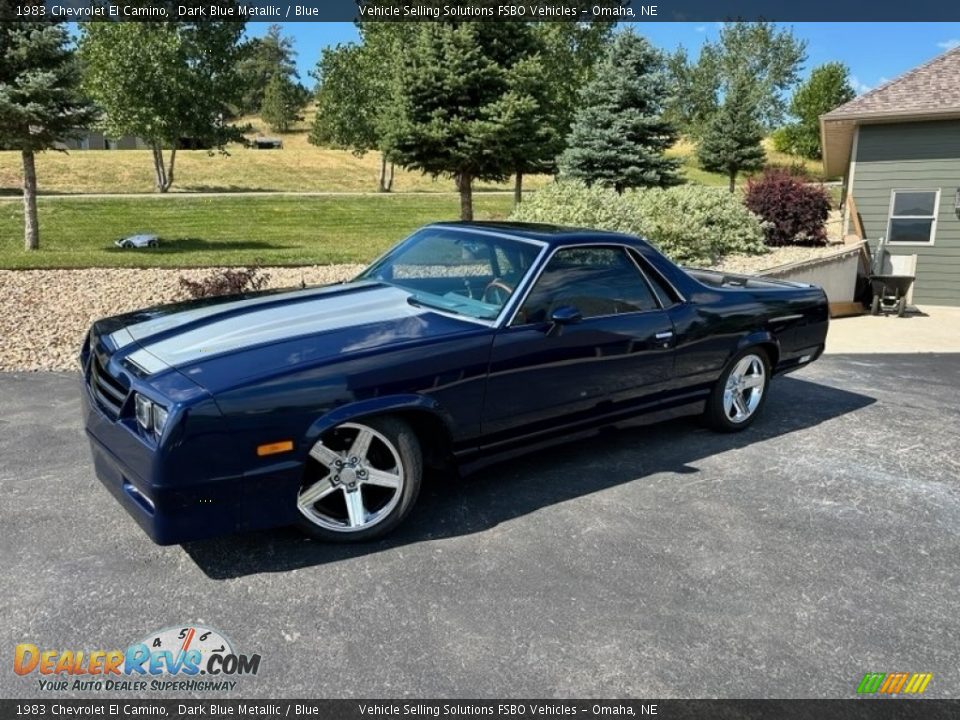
(928, 92)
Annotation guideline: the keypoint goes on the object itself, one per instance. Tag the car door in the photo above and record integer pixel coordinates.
(618, 356)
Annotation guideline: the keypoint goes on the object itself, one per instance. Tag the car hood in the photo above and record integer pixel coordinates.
(220, 342)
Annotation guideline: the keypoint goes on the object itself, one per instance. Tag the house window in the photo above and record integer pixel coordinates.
(913, 217)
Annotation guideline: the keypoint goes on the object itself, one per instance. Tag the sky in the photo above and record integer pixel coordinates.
(874, 52)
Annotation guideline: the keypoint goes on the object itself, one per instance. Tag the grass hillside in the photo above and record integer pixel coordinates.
(298, 167)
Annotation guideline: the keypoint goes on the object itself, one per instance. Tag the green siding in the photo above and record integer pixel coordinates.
(922, 156)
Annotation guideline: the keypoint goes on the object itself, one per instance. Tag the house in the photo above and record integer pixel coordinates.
(92, 140)
(898, 150)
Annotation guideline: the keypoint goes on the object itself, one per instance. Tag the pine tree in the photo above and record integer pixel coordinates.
(281, 104)
(40, 101)
(619, 135)
(452, 114)
(731, 141)
(262, 59)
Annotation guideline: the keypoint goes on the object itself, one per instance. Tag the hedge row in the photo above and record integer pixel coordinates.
(691, 224)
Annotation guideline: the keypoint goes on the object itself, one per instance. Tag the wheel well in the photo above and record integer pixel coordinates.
(772, 352)
(432, 434)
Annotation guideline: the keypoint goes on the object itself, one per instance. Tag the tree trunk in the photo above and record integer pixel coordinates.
(31, 228)
(382, 180)
(465, 186)
(163, 174)
(173, 159)
(518, 188)
(158, 168)
(390, 178)
(733, 181)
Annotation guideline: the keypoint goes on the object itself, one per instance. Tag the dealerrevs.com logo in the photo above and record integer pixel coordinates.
(177, 659)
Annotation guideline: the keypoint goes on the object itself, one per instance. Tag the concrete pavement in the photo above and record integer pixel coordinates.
(932, 330)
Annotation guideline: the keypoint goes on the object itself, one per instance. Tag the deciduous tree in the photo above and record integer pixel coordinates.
(164, 82)
(357, 92)
(827, 87)
(769, 58)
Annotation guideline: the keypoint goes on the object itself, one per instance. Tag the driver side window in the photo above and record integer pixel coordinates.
(598, 281)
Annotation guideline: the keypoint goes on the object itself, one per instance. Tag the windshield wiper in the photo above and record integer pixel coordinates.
(420, 302)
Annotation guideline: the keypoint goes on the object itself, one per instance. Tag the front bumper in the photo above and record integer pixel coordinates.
(172, 511)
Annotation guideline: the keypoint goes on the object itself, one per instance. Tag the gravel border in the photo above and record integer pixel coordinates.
(47, 312)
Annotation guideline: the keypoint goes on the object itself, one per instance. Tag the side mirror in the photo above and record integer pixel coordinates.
(566, 315)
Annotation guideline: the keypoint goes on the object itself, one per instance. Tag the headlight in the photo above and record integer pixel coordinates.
(150, 416)
(159, 419)
(144, 412)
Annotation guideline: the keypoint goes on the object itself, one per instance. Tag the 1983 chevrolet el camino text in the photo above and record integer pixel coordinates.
(464, 343)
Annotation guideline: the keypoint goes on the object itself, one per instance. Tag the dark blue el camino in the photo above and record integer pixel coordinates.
(466, 342)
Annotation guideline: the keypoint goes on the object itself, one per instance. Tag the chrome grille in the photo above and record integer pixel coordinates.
(110, 394)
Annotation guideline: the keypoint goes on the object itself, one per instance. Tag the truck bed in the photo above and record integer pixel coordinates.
(720, 280)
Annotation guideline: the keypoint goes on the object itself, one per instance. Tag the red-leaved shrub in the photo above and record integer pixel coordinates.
(795, 212)
(225, 282)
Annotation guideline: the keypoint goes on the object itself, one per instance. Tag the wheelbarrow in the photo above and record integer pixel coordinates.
(889, 290)
(890, 294)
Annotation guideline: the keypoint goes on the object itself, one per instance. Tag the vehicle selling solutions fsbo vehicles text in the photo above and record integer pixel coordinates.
(516, 11)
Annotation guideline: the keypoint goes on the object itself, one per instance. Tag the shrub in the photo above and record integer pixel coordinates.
(794, 169)
(225, 282)
(794, 212)
(689, 223)
(697, 225)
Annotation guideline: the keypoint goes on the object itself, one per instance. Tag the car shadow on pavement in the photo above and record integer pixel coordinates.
(451, 507)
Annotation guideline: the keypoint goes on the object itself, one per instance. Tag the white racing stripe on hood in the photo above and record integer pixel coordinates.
(147, 362)
(289, 320)
(145, 329)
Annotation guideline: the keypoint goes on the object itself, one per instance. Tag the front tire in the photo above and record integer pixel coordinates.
(361, 481)
(740, 392)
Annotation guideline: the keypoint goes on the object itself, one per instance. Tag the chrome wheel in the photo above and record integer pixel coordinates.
(356, 481)
(744, 389)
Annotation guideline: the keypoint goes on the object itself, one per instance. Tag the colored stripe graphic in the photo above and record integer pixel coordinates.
(894, 683)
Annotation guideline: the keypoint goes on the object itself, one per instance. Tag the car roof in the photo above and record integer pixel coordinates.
(550, 234)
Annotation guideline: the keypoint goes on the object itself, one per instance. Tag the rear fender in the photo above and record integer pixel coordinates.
(760, 337)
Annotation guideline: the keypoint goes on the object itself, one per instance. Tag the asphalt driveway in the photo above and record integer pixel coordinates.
(786, 561)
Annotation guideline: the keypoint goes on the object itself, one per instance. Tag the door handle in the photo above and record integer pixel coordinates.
(666, 335)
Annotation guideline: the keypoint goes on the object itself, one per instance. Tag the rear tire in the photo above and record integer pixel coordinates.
(361, 480)
(740, 393)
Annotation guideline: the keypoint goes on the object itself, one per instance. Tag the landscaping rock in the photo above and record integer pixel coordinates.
(47, 312)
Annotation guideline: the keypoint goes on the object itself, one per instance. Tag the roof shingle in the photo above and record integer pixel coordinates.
(931, 87)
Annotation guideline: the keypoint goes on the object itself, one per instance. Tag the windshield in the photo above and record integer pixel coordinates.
(455, 270)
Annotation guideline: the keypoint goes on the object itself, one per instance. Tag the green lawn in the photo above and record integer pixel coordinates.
(226, 230)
